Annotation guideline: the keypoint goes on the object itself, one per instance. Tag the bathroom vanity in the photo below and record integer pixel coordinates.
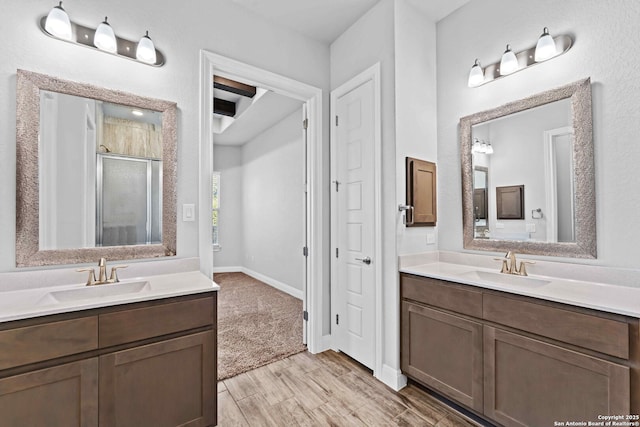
(134, 357)
(516, 350)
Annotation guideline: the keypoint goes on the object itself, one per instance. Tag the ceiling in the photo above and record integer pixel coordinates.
(270, 109)
(325, 20)
(321, 20)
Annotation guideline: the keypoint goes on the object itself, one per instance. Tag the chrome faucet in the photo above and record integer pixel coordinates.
(102, 273)
(510, 265)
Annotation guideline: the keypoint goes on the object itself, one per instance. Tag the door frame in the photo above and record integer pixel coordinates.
(212, 63)
(370, 74)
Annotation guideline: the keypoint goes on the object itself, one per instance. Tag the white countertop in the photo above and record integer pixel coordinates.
(35, 302)
(605, 297)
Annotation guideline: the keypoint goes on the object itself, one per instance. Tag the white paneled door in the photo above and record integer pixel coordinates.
(354, 309)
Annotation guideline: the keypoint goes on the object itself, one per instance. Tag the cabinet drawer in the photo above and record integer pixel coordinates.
(584, 330)
(442, 294)
(31, 344)
(148, 322)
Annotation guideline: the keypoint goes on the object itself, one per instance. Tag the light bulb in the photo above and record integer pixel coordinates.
(146, 51)
(476, 75)
(104, 38)
(58, 24)
(546, 47)
(509, 62)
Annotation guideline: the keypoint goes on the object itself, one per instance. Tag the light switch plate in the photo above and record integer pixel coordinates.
(499, 225)
(188, 212)
(431, 239)
(531, 228)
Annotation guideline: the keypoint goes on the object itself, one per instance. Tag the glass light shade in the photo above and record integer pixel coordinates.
(104, 38)
(476, 75)
(476, 146)
(509, 62)
(58, 23)
(489, 148)
(146, 51)
(546, 47)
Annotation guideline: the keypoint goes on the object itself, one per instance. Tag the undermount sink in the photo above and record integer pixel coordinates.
(504, 279)
(100, 291)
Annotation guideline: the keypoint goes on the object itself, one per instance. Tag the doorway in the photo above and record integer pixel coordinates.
(311, 97)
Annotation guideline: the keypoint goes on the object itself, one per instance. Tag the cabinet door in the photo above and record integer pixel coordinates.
(61, 396)
(532, 383)
(170, 383)
(421, 192)
(444, 352)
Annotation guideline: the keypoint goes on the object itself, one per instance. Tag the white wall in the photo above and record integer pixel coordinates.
(179, 31)
(605, 36)
(228, 161)
(416, 124)
(273, 202)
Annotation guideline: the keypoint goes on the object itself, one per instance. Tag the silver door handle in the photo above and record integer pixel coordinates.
(366, 260)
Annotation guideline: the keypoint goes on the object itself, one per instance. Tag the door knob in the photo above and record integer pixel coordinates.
(366, 260)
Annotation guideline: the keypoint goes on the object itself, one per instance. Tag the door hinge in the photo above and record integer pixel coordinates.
(305, 251)
(305, 124)
(336, 120)
(305, 315)
(336, 252)
(337, 319)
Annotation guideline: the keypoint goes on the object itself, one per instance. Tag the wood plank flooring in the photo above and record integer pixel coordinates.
(326, 389)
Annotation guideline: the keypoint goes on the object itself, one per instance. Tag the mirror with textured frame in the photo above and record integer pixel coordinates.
(95, 174)
(559, 212)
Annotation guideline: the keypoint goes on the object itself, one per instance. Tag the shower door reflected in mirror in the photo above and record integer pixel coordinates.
(128, 201)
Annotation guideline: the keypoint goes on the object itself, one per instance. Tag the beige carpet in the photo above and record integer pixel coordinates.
(257, 324)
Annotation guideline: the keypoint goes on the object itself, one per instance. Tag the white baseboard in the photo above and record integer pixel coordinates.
(297, 293)
(392, 377)
(236, 269)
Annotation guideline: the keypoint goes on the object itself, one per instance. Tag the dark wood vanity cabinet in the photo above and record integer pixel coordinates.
(518, 361)
(152, 363)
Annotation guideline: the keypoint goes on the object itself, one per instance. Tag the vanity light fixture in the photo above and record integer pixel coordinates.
(481, 147)
(476, 75)
(58, 23)
(547, 47)
(105, 38)
(146, 51)
(509, 62)
(58, 26)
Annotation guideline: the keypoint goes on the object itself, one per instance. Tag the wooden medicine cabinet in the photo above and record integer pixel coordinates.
(421, 193)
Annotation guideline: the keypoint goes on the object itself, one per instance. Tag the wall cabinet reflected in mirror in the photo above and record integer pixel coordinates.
(95, 173)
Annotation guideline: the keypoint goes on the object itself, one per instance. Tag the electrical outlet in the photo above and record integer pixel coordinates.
(531, 228)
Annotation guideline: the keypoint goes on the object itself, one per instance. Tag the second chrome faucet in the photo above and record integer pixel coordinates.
(102, 273)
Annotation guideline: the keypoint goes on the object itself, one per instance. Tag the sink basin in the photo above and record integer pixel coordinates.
(504, 279)
(100, 291)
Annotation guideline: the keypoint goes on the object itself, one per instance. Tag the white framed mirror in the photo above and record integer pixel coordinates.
(95, 173)
(544, 145)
